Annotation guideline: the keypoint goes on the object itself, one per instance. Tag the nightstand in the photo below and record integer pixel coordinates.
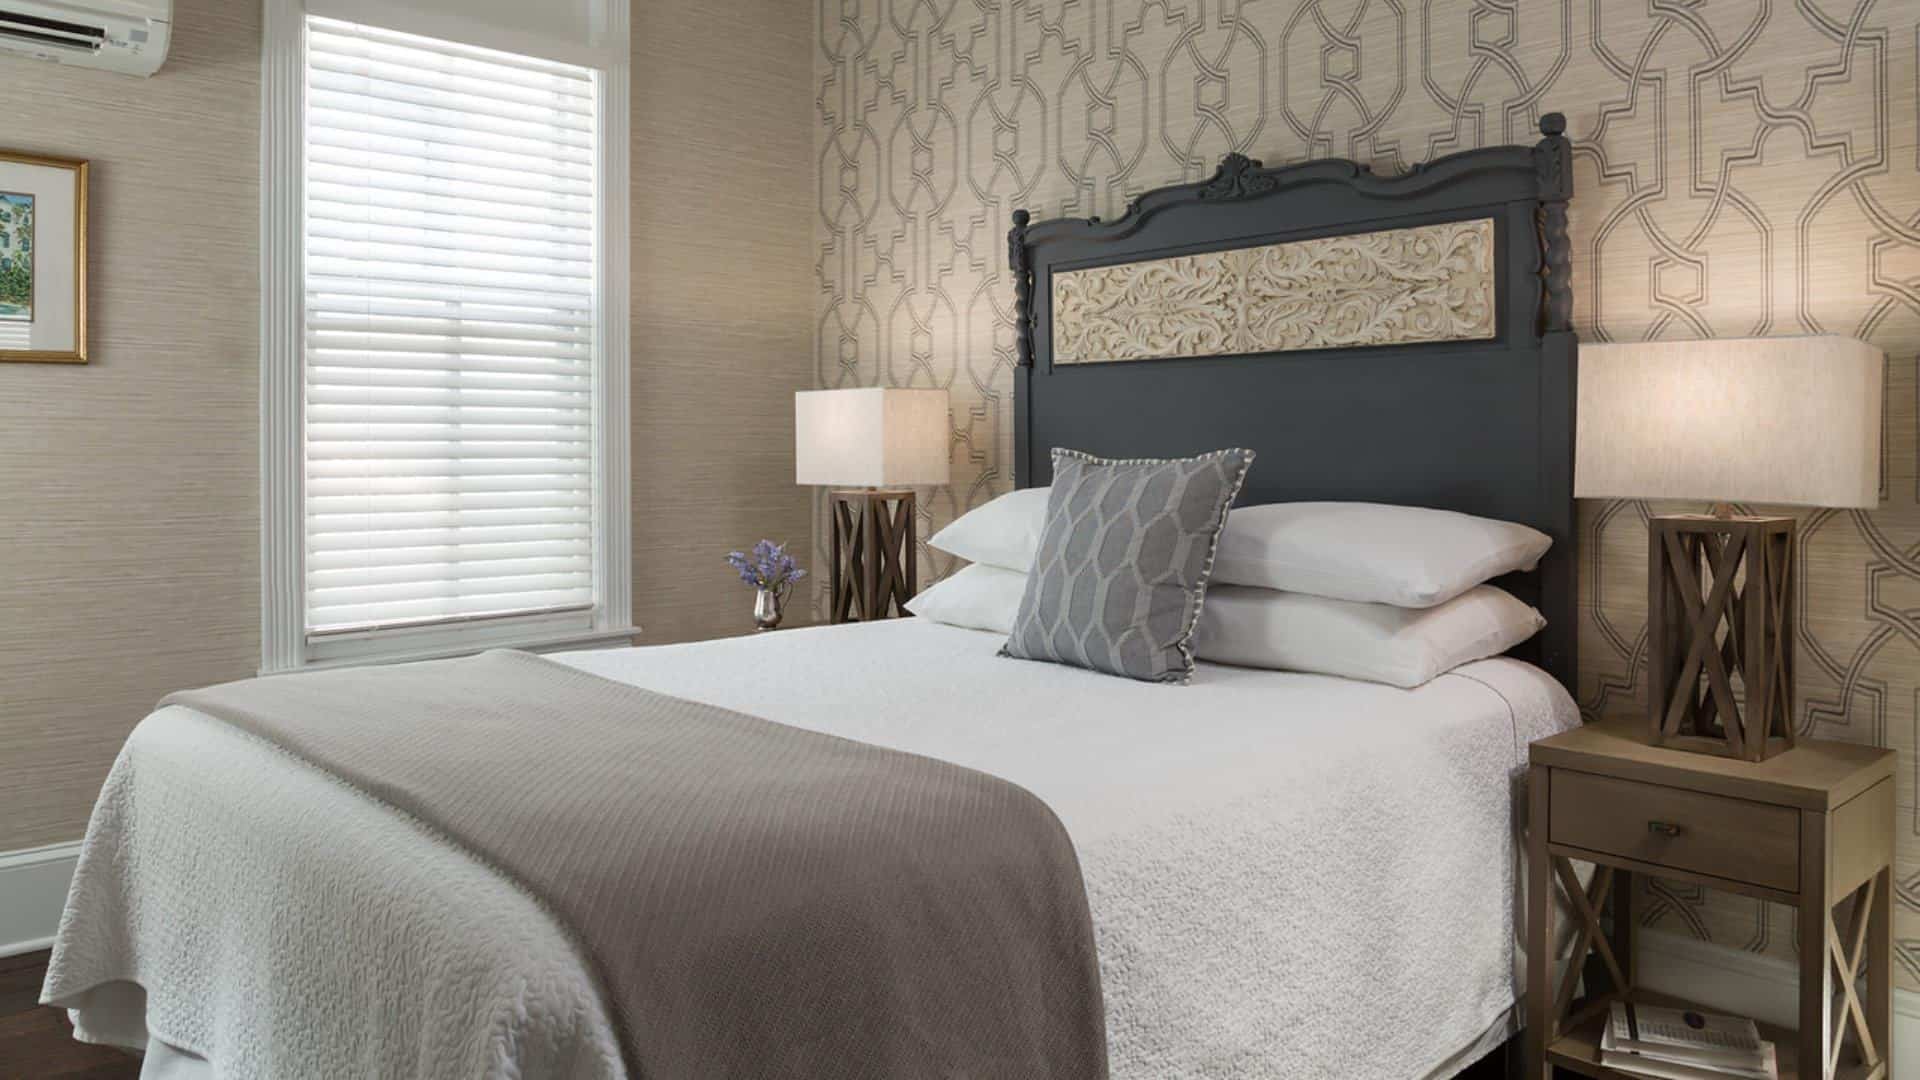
(1811, 828)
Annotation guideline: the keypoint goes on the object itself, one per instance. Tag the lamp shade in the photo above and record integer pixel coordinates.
(871, 437)
(1792, 420)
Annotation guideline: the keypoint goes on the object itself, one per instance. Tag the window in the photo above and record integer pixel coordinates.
(449, 379)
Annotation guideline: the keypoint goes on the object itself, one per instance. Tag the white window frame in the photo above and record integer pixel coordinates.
(284, 641)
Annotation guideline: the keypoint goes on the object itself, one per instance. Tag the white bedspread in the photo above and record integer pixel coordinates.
(1290, 875)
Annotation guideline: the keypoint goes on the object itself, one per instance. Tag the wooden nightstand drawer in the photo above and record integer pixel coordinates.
(1737, 839)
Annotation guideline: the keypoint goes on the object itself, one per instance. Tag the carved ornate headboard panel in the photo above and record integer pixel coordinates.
(1397, 339)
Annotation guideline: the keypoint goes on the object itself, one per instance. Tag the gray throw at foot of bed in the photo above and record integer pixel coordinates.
(756, 900)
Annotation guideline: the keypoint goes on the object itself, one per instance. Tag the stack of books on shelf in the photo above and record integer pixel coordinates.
(1678, 1044)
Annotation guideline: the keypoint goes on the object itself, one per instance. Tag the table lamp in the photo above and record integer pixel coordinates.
(869, 445)
(1789, 420)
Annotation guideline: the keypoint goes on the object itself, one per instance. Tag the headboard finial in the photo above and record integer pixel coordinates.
(1553, 167)
(1553, 159)
(1020, 262)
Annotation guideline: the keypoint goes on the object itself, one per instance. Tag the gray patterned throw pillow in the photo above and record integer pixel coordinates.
(1123, 563)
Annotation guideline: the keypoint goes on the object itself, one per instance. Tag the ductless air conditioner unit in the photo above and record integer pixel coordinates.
(127, 36)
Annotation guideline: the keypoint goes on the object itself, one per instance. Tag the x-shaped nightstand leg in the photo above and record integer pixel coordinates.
(1848, 954)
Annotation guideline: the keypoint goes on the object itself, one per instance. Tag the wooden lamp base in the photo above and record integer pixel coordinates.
(1720, 608)
(875, 556)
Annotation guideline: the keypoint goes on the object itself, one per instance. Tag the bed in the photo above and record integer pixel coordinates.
(1288, 875)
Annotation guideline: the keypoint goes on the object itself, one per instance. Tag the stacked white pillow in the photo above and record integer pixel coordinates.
(1391, 594)
(1003, 533)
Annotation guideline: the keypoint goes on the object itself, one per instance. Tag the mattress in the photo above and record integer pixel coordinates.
(1290, 875)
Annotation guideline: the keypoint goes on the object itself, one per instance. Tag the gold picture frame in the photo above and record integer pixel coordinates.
(15, 314)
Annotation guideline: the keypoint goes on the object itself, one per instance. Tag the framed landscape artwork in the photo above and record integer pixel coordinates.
(43, 259)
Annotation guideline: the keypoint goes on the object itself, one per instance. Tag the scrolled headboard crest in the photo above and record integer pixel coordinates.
(1238, 177)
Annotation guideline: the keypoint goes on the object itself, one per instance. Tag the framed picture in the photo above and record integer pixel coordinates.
(43, 259)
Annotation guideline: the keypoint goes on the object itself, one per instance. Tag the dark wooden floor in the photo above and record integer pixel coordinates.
(1491, 1067)
(37, 1043)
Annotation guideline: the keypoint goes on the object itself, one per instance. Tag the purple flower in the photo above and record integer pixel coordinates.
(767, 566)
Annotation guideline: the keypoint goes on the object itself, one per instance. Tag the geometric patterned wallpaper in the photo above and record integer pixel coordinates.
(1741, 169)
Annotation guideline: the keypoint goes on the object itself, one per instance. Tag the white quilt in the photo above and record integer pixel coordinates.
(1290, 875)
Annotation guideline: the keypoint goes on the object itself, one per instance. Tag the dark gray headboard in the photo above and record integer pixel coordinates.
(1482, 426)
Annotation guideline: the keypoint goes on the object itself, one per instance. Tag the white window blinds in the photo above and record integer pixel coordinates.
(449, 308)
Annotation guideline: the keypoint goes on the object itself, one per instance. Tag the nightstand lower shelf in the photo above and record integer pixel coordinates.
(1578, 1050)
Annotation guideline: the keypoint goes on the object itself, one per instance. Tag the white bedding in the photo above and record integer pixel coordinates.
(1290, 875)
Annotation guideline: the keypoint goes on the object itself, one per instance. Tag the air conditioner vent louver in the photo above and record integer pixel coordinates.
(127, 36)
(14, 31)
(36, 41)
(95, 34)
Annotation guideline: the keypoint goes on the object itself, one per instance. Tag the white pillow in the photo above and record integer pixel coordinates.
(1408, 556)
(1287, 631)
(979, 597)
(1376, 642)
(1401, 555)
(1004, 532)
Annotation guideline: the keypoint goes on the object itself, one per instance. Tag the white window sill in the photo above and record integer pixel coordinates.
(530, 642)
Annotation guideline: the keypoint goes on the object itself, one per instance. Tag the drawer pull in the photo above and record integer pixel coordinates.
(1663, 828)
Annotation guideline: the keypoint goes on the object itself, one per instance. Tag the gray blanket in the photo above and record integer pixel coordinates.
(755, 900)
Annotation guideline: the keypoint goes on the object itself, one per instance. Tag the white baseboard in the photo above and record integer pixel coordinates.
(1748, 984)
(33, 889)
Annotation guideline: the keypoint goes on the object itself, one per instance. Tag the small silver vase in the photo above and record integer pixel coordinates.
(766, 609)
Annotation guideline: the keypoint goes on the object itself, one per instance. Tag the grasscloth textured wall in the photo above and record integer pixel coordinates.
(129, 543)
(722, 313)
(1743, 168)
(129, 511)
